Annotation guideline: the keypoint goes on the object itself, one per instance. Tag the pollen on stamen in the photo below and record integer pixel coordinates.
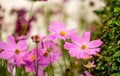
(45, 54)
(32, 58)
(62, 33)
(83, 47)
(17, 51)
(89, 65)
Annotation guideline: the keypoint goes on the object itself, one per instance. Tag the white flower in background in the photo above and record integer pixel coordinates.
(72, 8)
(77, 10)
(93, 4)
(89, 6)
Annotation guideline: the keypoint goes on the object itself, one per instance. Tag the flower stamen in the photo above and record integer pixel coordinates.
(32, 58)
(89, 65)
(17, 51)
(83, 47)
(62, 33)
(45, 54)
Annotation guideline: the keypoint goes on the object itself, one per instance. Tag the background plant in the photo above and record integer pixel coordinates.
(109, 31)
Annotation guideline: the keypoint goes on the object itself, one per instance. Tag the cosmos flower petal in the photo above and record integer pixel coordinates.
(11, 60)
(87, 73)
(22, 45)
(95, 43)
(52, 36)
(6, 55)
(56, 26)
(11, 41)
(3, 45)
(40, 72)
(85, 37)
(72, 52)
(71, 33)
(76, 39)
(69, 46)
(28, 69)
(9, 68)
(18, 60)
(81, 55)
(92, 51)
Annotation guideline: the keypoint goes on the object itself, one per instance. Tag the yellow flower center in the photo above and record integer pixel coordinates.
(32, 58)
(88, 64)
(83, 47)
(62, 33)
(17, 51)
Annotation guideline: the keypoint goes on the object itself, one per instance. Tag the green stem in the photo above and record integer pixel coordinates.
(47, 14)
(70, 61)
(52, 68)
(63, 54)
(89, 70)
(60, 67)
(30, 13)
(64, 61)
(18, 72)
(48, 71)
(0, 31)
(71, 66)
(36, 63)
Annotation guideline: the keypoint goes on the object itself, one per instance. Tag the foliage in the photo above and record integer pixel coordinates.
(109, 60)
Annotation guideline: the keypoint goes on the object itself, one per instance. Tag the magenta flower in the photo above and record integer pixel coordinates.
(23, 25)
(90, 65)
(10, 69)
(40, 72)
(82, 47)
(87, 73)
(29, 59)
(12, 51)
(59, 31)
(49, 53)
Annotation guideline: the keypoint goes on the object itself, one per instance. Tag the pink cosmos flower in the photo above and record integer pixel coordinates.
(29, 60)
(49, 53)
(40, 72)
(10, 69)
(87, 73)
(81, 75)
(90, 65)
(12, 51)
(59, 31)
(87, 57)
(82, 47)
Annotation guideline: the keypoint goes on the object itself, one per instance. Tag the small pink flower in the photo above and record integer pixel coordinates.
(81, 75)
(87, 73)
(10, 69)
(59, 31)
(90, 65)
(49, 53)
(12, 51)
(82, 47)
(87, 57)
(40, 72)
(29, 59)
